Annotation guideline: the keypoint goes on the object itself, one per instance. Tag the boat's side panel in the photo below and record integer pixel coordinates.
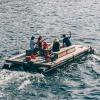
(67, 60)
(78, 51)
(16, 59)
(17, 56)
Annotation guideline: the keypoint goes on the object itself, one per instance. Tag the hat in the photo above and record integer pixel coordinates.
(32, 37)
(56, 40)
(40, 37)
(64, 35)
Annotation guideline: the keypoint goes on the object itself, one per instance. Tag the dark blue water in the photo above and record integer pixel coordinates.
(20, 19)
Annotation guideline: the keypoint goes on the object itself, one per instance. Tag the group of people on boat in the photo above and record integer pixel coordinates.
(46, 49)
(40, 45)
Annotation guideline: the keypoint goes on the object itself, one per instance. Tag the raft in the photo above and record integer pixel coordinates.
(39, 64)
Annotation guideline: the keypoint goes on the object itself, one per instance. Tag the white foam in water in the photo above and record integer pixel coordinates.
(39, 77)
(2, 95)
(96, 57)
(15, 76)
(96, 68)
(35, 78)
(4, 77)
(70, 83)
(94, 65)
(24, 84)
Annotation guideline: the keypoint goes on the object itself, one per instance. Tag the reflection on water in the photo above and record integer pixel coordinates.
(20, 19)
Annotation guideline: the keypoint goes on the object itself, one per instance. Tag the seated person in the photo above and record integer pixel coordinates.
(45, 45)
(50, 56)
(56, 45)
(40, 44)
(47, 56)
(32, 44)
(66, 41)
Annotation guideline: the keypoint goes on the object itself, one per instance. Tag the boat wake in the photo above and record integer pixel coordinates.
(96, 57)
(21, 79)
(94, 62)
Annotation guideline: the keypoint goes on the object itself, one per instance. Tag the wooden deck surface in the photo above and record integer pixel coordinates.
(40, 60)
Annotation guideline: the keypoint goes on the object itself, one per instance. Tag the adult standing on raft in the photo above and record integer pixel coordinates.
(66, 40)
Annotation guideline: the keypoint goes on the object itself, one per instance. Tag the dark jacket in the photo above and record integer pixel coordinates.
(66, 41)
(56, 47)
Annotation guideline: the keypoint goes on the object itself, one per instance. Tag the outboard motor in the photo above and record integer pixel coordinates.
(92, 51)
(7, 65)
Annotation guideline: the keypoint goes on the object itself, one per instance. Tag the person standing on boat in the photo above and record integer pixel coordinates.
(32, 44)
(66, 40)
(56, 45)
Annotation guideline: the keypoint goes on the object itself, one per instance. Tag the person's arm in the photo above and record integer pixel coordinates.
(69, 34)
(43, 40)
(63, 42)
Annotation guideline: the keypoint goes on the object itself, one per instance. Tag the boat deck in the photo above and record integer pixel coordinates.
(64, 54)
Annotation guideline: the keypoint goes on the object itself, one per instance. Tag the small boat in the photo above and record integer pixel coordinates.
(39, 64)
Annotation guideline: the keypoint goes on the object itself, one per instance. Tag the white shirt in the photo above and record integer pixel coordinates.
(32, 44)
